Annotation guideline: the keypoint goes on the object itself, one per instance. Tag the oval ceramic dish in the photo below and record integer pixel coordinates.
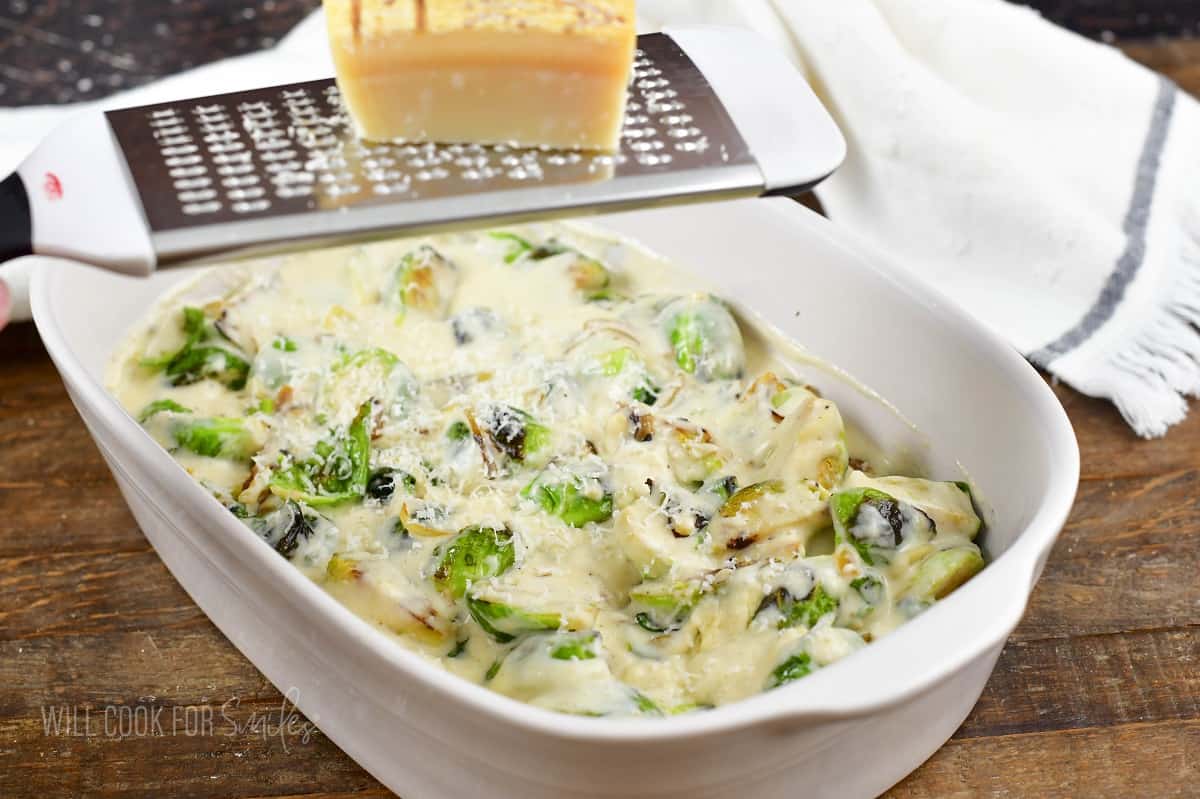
(851, 730)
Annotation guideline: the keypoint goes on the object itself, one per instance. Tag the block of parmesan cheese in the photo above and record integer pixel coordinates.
(535, 72)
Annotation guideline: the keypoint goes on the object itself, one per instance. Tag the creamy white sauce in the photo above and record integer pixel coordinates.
(649, 476)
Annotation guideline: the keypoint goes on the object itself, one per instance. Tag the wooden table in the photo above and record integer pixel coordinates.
(1097, 693)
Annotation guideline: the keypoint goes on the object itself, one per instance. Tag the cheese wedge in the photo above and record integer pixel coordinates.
(534, 72)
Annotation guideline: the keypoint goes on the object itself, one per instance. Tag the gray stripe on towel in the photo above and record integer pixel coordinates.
(1136, 221)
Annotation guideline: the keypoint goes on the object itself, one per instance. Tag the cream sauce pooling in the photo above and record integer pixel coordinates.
(546, 460)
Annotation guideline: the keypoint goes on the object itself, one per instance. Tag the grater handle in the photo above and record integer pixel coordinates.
(16, 224)
(79, 201)
(16, 240)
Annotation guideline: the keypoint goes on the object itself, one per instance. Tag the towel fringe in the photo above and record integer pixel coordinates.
(1149, 377)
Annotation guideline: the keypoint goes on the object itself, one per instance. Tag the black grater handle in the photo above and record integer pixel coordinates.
(16, 224)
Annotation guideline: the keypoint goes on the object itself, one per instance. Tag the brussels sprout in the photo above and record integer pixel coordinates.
(870, 588)
(723, 487)
(520, 247)
(645, 704)
(426, 519)
(341, 568)
(205, 354)
(424, 281)
(574, 498)
(705, 338)
(274, 365)
(948, 504)
(159, 406)
(217, 437)
(475, 554)
(659, 609)
(382, 483)
(396, 386)
(799, 611)
(565, 672)
(573, 646)
(284, 528)
(691, 452)
(505, 622)
(337, 472)
(942, 572)
(472, 324)
(615, 362)
(795, 667)
(875, 523)
(517, 434)
(590, 277)
(749, 495)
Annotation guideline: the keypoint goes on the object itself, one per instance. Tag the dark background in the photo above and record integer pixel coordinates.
(56, 51)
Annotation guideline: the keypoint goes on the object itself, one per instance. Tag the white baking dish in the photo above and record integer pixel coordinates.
(847, 731)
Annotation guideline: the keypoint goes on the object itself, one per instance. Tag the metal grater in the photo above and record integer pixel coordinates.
(280, 166)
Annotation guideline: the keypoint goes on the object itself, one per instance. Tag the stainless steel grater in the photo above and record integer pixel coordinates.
(712, 112)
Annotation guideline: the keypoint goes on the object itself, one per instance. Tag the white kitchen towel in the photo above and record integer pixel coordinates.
(1044, 182)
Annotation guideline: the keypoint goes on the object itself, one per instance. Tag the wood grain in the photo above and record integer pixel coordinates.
(1096, 694)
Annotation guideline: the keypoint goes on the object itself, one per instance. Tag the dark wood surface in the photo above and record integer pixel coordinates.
(1097, 693)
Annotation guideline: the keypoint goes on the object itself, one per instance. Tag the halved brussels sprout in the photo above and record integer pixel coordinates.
(424, 281)
(341, 568)
(566, 672)
(504, 622)
(691, 452)
(216, 437)
(378, 373)
(705, 337)
(173, 425)
(870, 588)
(475, 554)
(473, 324)
(505, 430)
(948, 504)
(425, 519)
(383, 482)
(876, 524)
(382, 590)
(587, 274)
(275, 364)
(616, 362)
(942, 572)
(660, 608)
(747, 496)
(520, 247)
(796, 611)
(795, 667)
(576, 498)
(336, 472)
(574, 646)
(205, 354)
(160, 406)
(590, 277)
(284, 528)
